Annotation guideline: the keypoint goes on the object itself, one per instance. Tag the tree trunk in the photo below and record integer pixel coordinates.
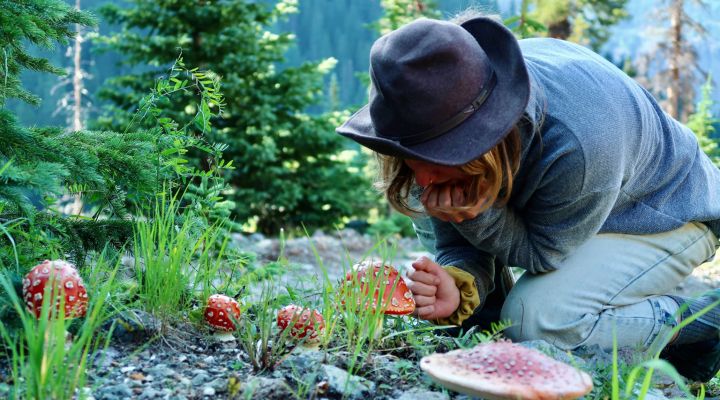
(673, 90)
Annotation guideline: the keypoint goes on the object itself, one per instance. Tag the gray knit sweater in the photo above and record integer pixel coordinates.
(607, 159)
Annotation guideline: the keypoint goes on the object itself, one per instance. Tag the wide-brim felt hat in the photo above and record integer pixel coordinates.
(442, 92)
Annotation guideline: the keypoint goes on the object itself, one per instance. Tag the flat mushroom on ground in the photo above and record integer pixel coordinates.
(504, 370)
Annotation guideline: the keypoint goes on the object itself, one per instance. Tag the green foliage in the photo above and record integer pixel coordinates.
(701, 122)
(523, 25)
(581, 21)
(395, 224)
(41, 164)
(37, 22)
(397, 13)
(287, 169)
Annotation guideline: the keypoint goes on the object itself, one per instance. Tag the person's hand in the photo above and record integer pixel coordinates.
(444, 202)
(436, 295)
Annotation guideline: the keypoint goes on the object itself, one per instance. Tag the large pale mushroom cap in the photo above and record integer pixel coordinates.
(504, 370)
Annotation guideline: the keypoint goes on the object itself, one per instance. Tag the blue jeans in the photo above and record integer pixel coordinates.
(612, 282)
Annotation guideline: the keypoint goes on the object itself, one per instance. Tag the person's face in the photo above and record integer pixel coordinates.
(427, 174)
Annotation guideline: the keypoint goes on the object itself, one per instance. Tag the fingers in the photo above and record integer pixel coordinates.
(425, 312)
(423, 277)
(458, 197)
(421, 289)
(425, 264)
(424, 301)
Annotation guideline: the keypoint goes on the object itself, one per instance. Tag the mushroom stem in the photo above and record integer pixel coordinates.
(224, 336)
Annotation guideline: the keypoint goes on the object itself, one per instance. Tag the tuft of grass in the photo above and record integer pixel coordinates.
(263, 342)
(43, 364)
(175, 257)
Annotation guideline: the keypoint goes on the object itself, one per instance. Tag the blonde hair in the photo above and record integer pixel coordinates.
(491, 179)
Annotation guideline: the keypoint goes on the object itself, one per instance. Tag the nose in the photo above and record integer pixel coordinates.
(424, 178)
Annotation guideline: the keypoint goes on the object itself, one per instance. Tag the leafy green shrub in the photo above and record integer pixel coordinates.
(395, 224)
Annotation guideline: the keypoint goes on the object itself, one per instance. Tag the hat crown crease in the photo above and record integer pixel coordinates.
(425, 75)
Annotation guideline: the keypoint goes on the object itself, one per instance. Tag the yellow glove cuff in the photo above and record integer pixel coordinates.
(469, 297)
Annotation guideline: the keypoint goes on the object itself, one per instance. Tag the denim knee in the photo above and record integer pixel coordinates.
(534, 320)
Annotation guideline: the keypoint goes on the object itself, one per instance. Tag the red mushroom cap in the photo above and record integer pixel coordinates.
(504, 370)
(218, 312)
(67, 281)
(397, 298)
(305, 322)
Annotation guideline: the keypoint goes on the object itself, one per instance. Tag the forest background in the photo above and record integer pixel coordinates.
(233, 104)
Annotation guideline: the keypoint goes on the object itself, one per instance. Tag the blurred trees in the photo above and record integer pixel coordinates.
(290, 165)
(582, 21)
(670, 68)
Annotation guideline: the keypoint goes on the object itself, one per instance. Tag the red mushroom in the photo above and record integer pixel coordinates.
(504, 370)
(68, 285)
(305, 324)
(379, 278)
(221, 312)
(397, 298)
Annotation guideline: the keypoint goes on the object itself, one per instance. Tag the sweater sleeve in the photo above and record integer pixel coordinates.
(452, 249)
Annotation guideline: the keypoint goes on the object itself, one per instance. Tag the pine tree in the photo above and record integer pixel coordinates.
(113, 172)
(288, 168)
(702, 121)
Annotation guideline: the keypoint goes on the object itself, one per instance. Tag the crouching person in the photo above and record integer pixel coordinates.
(540, 154)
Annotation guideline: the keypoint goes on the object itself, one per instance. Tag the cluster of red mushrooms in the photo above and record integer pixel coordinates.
(306, 325)
(496, 370)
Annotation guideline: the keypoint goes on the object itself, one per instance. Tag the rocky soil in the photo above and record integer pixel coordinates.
(191, 367)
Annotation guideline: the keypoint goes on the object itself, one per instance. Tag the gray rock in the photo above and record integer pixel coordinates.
(103, 359)
(149, 393)
(267, 389)
(208, 391)
(119, 391)
(343, 384)
(200, 379)
(415, 394)
(132, 326)
(219, 384)
(160, 371)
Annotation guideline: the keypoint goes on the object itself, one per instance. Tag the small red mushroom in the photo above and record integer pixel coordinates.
(397, 298)
(305, 324)
(504, 370)
(220, 313)
(68, 283)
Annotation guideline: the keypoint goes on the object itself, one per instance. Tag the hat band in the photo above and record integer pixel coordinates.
(451, 123)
